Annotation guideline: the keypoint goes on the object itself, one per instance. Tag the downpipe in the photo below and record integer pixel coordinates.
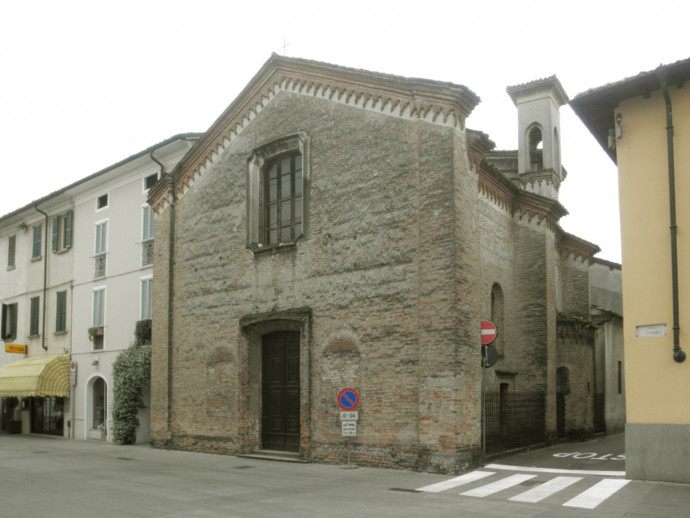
(678, 353)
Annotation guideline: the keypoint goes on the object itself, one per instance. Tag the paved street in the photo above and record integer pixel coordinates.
(53, 477)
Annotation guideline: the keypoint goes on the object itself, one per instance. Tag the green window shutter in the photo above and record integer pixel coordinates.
(68, 229)
(33, 325)
(56, 227)
(61, 312)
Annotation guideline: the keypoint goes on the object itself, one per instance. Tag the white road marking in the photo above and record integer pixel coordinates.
(549, 488)
(457, 481)
(553, 470)
(596, 494)
(497, 486)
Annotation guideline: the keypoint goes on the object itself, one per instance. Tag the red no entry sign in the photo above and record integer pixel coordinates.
(348, 399)
(488, 332)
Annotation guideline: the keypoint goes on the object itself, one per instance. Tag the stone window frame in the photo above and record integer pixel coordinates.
(262, 155)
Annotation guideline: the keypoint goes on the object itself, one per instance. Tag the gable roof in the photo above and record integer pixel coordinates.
(596, 106)
(437, 102)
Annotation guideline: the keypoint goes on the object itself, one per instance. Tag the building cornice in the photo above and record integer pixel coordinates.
(519, 203)
(445, 104)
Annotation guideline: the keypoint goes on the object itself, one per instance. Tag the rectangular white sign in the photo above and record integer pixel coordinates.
(349, 428)
(350, 415)
(647, 331)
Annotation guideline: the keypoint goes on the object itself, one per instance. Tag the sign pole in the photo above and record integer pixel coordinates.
(348, 400)
(483, 412)
(348, 452)
(488, 333)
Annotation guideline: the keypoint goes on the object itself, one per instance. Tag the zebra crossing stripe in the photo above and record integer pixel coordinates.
(497, 486)
(559, 471)
(596, 494)
(457, 481)
(549, 488)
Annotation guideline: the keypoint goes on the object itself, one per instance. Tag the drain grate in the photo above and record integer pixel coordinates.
(40, 452)
(243, 467)
(404, 490)
(123, 458)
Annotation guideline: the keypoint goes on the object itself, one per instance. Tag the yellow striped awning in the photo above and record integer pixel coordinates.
(37, 376)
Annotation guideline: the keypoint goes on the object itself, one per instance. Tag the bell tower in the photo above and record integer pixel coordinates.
(539, 126)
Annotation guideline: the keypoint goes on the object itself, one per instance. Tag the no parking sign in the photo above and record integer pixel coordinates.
(348, 399)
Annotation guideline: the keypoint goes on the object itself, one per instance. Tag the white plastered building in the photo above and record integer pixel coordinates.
(77, 277)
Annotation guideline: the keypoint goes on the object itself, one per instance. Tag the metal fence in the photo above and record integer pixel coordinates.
(513, 420)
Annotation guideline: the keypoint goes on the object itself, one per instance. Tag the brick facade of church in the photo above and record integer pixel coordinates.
(409, 229)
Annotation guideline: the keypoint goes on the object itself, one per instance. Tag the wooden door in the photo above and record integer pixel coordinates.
(280, 423)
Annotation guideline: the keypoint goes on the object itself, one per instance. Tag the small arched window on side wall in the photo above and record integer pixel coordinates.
(536, 148)
(497, 317)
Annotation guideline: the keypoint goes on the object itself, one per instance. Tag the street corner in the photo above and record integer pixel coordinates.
(605, 455)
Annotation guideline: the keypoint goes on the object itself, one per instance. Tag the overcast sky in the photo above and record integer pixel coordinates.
(86, 83)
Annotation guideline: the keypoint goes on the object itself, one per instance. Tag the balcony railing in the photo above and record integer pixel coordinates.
(99, 265)
(147, 252)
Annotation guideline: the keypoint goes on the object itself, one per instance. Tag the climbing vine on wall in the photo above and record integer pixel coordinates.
(131, 373)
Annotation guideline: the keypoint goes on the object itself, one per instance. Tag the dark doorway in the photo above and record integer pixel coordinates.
(280, 423)
(562, 390)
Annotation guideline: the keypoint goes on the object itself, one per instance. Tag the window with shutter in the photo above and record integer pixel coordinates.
(37, 240)
(146, 236)
(62, 232)
(11, 252)
(100, 248)
(33, 320)
(61, 312)
(9, 321)
(98, 320)
(146, 292)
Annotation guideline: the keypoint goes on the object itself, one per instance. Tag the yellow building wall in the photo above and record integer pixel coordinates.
(658, 388)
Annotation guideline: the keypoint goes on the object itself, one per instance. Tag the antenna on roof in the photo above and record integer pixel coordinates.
(285, 45)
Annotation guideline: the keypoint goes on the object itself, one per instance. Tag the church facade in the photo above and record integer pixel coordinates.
(337, 228)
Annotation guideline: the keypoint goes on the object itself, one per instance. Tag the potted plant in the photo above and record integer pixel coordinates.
(95, 331)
